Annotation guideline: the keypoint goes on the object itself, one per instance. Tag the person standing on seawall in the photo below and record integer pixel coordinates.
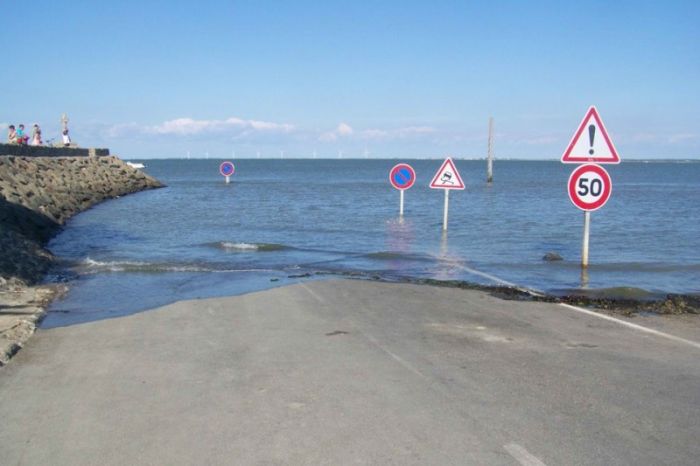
(21, 137)
(66, 138)
(11, 134)
(36, 135)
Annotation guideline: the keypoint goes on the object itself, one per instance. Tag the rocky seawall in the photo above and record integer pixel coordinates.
(37, 196)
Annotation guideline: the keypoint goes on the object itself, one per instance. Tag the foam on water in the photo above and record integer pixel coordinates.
(247, 247)
(91, 266)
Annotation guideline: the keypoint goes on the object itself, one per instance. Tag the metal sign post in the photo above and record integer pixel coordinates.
(586, 233)
(446, 208)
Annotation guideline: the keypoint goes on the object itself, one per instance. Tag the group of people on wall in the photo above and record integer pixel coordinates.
(19, 136)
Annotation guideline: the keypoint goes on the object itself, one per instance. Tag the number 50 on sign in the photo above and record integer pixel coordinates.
(589, 187)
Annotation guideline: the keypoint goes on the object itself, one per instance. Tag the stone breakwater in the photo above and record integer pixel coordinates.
(37, 196)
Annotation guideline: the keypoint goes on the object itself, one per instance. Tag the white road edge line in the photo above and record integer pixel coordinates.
(313, 293)
(522, 456)
(631, 325)
(495, 279)
(372, 340)
(395, 357)
(641, 328)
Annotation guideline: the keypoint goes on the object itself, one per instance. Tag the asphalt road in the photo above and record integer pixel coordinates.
(352, 372)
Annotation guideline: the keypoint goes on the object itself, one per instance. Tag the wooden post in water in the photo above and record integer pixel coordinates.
(586, 231)
(489, 160)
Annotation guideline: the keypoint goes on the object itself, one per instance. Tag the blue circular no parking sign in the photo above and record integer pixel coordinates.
(402, 176)
(227, 169)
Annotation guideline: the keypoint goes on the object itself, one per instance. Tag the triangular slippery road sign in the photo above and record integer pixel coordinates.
(591, 143)
(447, 177)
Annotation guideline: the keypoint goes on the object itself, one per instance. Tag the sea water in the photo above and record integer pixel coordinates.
(281, 221)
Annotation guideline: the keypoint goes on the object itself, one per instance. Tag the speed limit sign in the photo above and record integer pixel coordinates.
(589, 187)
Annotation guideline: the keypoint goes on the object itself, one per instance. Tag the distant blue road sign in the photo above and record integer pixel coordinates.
(227, 169)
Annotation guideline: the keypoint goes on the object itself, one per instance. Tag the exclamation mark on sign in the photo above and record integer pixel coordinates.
(591, 138)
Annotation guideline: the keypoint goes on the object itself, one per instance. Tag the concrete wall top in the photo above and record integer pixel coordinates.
(50, 151)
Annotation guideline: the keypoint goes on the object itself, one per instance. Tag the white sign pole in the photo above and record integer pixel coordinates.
(586, 231)
(228, 179)
(401, 203)
(444, 216)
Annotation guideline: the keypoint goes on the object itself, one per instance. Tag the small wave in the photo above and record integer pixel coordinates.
(91, 266)
(394, 255)
(248, 247)
(95, 266)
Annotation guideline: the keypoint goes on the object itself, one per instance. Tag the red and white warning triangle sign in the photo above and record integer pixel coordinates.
(591, 142)
(447, 177)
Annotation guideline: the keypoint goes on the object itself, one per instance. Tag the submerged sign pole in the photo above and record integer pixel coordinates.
(447, 178)
(586, 232)
(445, 209)
(402, 177)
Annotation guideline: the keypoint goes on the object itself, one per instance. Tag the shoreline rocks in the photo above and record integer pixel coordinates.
(37, 196)
(28, 304)
(552, 257)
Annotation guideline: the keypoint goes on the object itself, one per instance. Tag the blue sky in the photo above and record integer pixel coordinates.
(389, 79)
